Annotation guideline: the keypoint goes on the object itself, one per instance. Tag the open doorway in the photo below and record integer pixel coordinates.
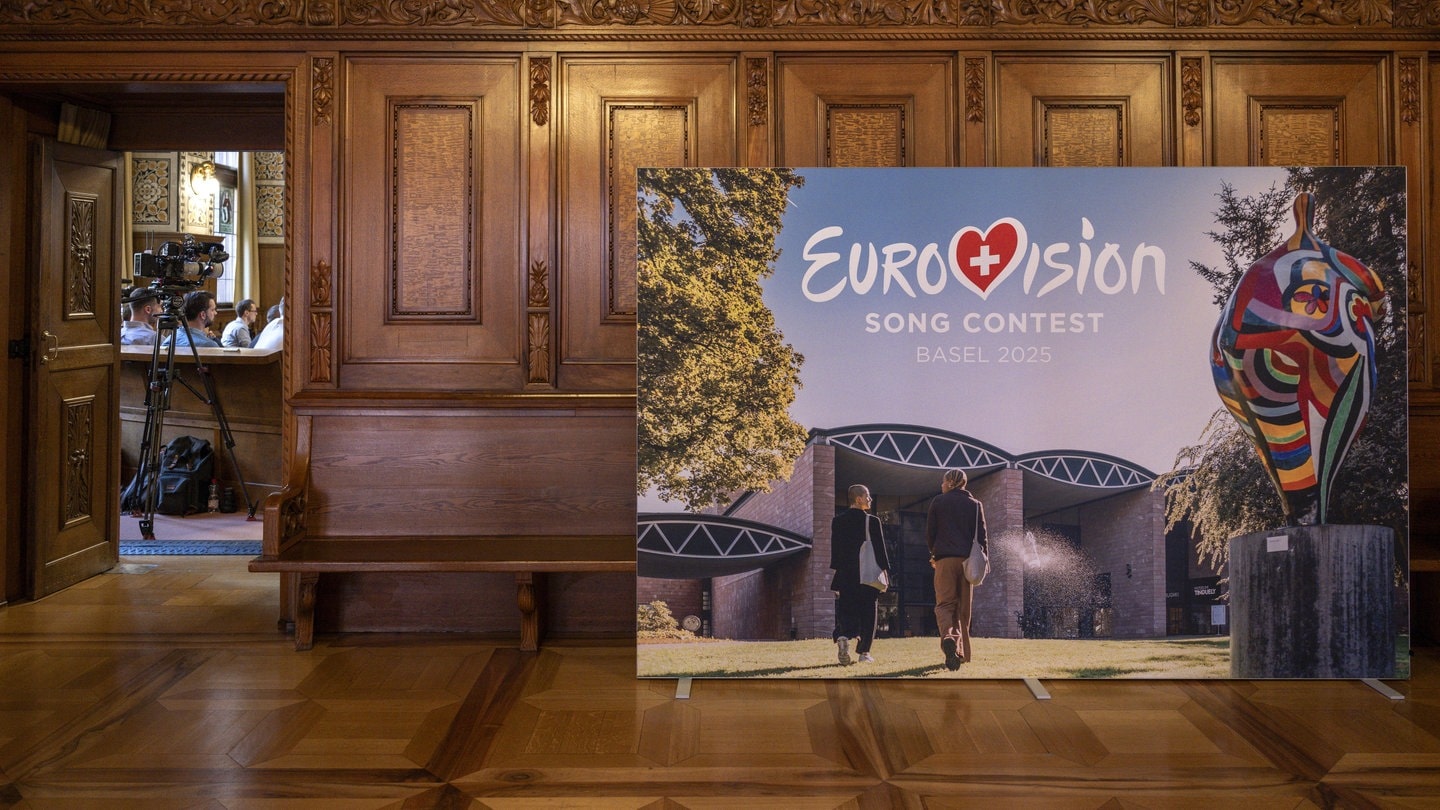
(200, 424)
(130, 118)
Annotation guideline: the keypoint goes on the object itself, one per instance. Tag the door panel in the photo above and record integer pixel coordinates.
(73, 449)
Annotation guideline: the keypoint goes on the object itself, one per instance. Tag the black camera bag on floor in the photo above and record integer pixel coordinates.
(187, 465)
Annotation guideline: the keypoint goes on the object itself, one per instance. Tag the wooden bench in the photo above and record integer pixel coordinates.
(301, 557)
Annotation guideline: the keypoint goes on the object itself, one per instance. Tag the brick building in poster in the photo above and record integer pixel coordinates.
(1078, 543)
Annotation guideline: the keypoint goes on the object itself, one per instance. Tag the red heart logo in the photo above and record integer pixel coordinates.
(982, 260)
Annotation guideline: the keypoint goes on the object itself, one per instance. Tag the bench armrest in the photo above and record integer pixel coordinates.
(284, 511)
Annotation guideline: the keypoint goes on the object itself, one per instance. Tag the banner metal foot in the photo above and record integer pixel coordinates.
(1036, 689)
(682, 689)
(1375, 683)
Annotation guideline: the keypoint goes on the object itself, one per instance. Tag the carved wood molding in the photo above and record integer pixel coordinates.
(537, 323)
(80, 278)
(538, 347)
(538, 295)
(320, 342)
(79, 457)
(320, 285)
(322, 80)
(1191, 90)
(1410, 90)
(322, 322)
(241, 17)
(975, 90)
(757, 89)
(540, 90)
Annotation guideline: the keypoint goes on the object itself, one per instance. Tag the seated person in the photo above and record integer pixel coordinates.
(273, 335)
(237, 332)
(200, 311)
(138, 328)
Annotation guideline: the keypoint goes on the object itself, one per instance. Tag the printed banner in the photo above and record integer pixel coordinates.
(1167, 406)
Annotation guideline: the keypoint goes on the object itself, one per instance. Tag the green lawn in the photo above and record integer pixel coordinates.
(1207, 657)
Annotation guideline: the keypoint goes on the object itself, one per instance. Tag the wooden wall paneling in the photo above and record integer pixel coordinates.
(430, 295)
(1323, 111)
(1428, 170)
(13, 397)
(1083, 111)
(587, 605)
(1408, 125)
(316, 277)
(858, 110)
(540, 241)
(469, 473)
(619, 115)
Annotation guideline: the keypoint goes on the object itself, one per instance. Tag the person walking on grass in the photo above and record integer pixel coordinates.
(954, 525)
(855, 611)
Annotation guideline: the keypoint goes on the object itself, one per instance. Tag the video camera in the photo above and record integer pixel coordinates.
(186, 262)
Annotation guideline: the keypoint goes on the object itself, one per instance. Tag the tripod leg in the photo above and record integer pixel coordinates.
(212, 398)
(157, 401)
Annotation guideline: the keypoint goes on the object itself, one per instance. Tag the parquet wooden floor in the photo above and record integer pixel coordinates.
(167, 687)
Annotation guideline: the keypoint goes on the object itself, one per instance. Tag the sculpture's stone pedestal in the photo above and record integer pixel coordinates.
(1313, 602)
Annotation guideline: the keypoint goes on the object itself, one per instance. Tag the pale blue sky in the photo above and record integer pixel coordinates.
(1136, 386)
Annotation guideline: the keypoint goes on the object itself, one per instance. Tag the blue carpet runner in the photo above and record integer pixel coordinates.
(154, 548)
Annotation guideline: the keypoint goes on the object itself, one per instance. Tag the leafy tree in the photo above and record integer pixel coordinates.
(718, 378)
(1218, 483)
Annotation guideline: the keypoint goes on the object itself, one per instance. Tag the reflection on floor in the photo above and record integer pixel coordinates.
(168, 686)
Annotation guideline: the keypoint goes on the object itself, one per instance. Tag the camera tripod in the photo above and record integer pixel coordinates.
(157, 402)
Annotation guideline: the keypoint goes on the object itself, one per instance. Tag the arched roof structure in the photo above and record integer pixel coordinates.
(688, 546)
(889, 458)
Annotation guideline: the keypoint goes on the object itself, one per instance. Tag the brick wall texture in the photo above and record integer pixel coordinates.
(1129, 529)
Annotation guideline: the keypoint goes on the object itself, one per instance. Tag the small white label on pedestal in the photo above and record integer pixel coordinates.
(1280, 542)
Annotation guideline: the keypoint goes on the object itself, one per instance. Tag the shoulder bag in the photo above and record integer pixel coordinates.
(871, 573)
(977, 565)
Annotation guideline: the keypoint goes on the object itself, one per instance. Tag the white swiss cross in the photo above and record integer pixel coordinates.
(985, 261)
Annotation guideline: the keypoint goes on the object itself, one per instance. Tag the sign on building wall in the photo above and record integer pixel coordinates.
(1062, 367)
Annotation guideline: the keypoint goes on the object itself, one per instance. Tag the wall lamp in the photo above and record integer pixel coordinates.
(203, 181)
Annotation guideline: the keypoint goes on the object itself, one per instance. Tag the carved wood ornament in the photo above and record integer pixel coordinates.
(322, 77)
(757, 89)
(1191, 96)
(975, 90)
(540, 90)
(79, 456)
(1410, 90)
(241, 16)
(80, 255)
(537, 323)
(322, 335)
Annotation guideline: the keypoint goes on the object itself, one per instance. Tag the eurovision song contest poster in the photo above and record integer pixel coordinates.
(1169, 406)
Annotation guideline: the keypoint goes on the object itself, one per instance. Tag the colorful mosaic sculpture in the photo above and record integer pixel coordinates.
(1293, 359)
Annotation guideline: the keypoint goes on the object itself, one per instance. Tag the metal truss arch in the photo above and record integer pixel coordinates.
(683, 545)
(1083, 469)
(916, 446)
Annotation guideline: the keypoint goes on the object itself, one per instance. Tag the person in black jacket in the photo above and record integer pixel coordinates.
(954, 524)
(855, 613)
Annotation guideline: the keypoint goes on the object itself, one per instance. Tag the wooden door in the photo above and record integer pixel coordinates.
(73, 452)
